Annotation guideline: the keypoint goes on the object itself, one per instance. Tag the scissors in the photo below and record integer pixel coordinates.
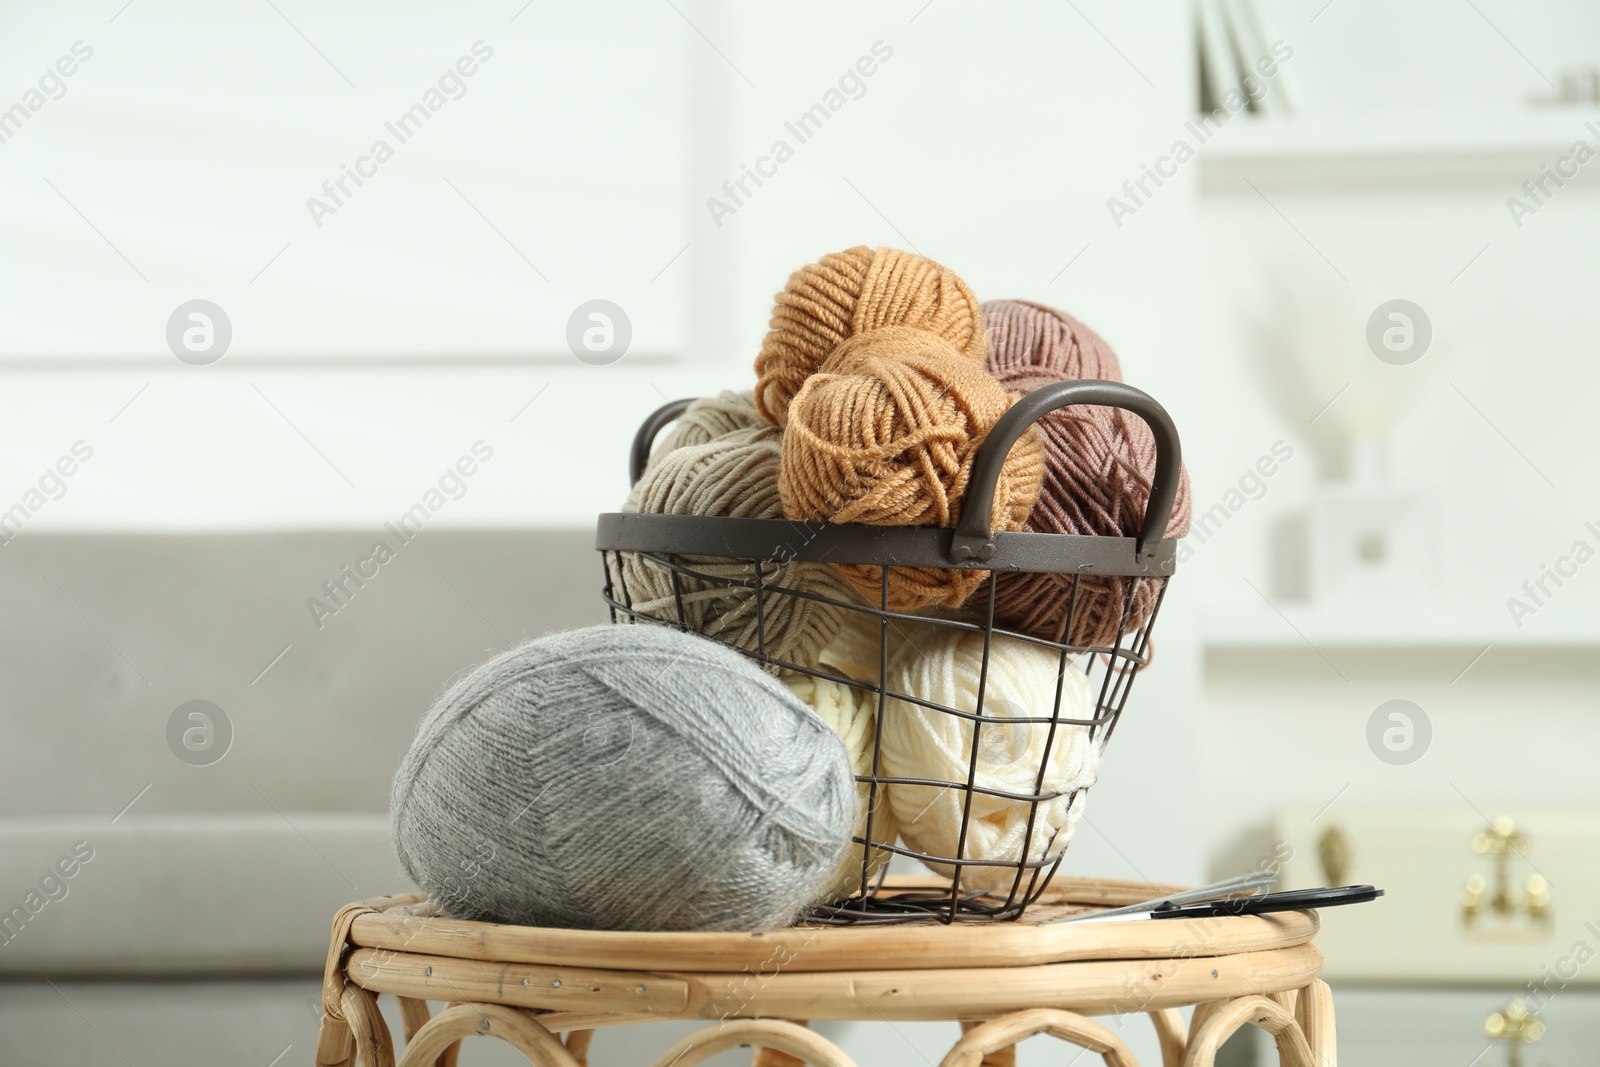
(1256, 904)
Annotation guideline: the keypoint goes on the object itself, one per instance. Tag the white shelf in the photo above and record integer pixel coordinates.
(1391, 150)
(1392, 625)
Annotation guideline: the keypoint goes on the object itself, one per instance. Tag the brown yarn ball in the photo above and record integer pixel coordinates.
(886, 434)
(1024, 334)
(848, 293)
(1099, 463)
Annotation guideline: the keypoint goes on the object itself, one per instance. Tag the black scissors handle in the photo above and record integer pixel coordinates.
(1294, 900)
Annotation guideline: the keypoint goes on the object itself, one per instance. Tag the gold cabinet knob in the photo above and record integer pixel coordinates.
(1501, 842)
(1472, 896)
(1516, 1026)
(1335, 853)
(1537, 891)
(1501, 838)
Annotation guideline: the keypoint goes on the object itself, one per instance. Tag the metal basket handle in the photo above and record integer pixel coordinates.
(974, 540)
(645, 439)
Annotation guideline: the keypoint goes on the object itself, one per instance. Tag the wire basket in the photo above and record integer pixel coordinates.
(683, 545)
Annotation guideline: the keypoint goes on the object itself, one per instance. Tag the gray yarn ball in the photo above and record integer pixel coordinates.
(623, 777)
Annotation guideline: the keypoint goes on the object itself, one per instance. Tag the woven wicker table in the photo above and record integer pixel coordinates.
(545, 991)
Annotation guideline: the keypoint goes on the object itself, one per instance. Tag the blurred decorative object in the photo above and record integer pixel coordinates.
(1577, 87)
(874, 368)
(1098, 467)
(733, 473)
(1335, 852)
(1312, 357)
(1237, 58)
(1516, 1026)
(623, 778)
(1060, 759)
(1370, 541)
(1351, 375)
(1500, 842)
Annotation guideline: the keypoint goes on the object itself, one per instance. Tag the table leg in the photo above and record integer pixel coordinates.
(805, 1046)
(415, 1015)
(771, 1057)
(578, 1045)
(1314, 1012)
(1253, 1010)
(1168, 1023)
(1001, 1057)
(1002, 1033)
(374, 1046)
(336, 1047)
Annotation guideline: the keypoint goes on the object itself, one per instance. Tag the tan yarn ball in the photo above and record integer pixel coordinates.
(853, 714)
(849, 293)
(886, 434)
(734, 474)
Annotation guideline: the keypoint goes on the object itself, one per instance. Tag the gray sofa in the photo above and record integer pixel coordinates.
(195, 929)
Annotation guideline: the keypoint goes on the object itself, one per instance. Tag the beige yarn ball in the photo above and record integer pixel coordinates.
(920, 742)
(853, 713)
(732, 474)
(710, 417)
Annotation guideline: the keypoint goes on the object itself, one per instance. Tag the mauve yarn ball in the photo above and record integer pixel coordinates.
(623, 777)
(1099, 463)
(1025, 334)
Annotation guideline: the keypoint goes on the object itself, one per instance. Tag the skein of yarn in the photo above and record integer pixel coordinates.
(1024, 334)
(921, 742)
(623, 778)
(886, 434)
(845, 294)
(857, 651)
(1098, 470)
(711, 417)
(873, 364)
(853, 714)
(733, 474)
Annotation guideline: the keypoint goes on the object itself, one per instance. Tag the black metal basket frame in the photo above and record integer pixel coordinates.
(970, 545)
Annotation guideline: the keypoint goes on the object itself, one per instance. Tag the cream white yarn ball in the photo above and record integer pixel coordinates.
(856, 648)
(853, 714)
(920, 742)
